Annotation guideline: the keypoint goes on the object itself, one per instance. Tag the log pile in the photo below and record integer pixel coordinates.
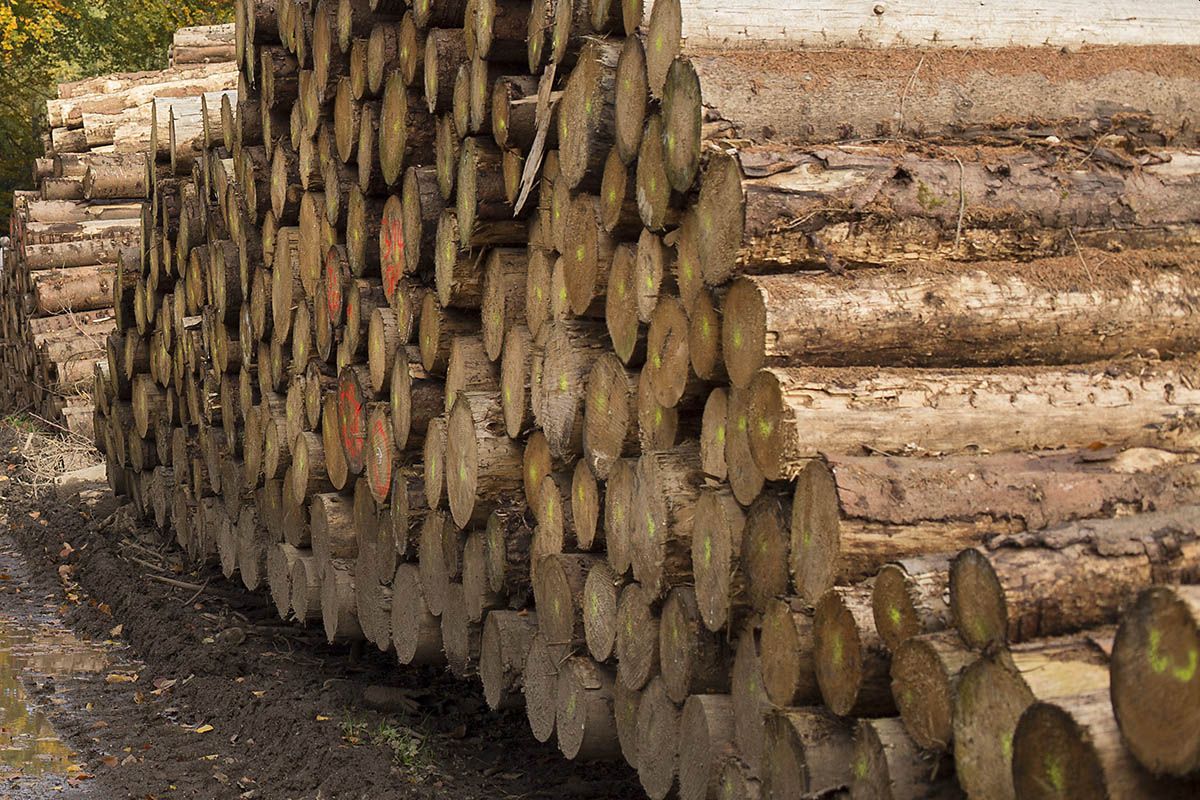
(783, 422)
(58, 292)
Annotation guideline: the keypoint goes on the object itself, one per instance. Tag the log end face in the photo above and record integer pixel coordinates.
(462, 461)
(1053, 756)
(815, 531)
(837, 654)
(1155, 682)
(721, 218)
(681, 123)
(977, 600)
(923, 694)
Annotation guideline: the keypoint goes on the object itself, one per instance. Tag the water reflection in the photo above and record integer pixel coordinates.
(28, 743)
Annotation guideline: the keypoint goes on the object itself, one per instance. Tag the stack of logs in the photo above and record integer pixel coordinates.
(785, 422)
(56, 296)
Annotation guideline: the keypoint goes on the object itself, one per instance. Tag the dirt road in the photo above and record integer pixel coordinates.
(207, 694)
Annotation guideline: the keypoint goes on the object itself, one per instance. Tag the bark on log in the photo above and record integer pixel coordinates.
(992, 315)
(793, 207)
(1118, 403)
(1031, 584)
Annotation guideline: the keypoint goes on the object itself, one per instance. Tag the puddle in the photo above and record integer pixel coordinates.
(28, 744)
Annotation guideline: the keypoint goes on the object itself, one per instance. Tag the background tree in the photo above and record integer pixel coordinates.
(45, 42)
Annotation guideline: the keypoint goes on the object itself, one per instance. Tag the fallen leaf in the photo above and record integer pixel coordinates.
(110, 761)
(204, 729)
(117, 631)
(322, 718)
(66, 550)
(117, 677)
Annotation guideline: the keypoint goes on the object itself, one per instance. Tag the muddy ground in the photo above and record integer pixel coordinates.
(209, 695)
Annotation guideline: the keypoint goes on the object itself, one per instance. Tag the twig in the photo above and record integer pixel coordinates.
(178, 584)
(1082, 260)
(192, 599)
(904, 95)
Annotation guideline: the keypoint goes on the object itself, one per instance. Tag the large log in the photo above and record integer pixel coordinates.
(800, 412)
(856, 514)
(817, 208)
(1063, 579)
(939, 315)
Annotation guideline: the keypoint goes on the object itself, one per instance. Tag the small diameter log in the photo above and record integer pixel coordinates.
(469, 369)
(515, 368)
(619, 514)
(992, 594)
(620, 306)
(434, 571)
(483, 464)
(559, 595)
(571, 348)
(998, 410)
(852, 665)
(601, 593)
(337, 603)
(788, 658)
(433, 456)
(911, 598)
(657, 206)
(657, 740)
(587, 253)
(416, 399)
(514, 113)
(808, 751)
(667, 487)
(458, 276)
(507, 636)
(540, 684)
(332, 525)
(637, 637)
(406, 130)
(925, 671)
(422, 205)
(445, 52)
(994, 692)
(74, 289)
(383, 54)
(706, 741)
(997, 315)
(306, 589)
(1072, 747)
(481, 196)
(586, 113)
(502, 305)
(610, 415)
(750, 699)
(584, 720)
(437, 328)
(1154, 679)
(747, 219)
(889, 765)
(416, 633)
(745, 478)
(765, 549)
(508, 539)
(716, 558)
(693, 659)
(460, 636)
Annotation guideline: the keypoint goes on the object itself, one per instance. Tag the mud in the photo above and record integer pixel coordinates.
(218, 698)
